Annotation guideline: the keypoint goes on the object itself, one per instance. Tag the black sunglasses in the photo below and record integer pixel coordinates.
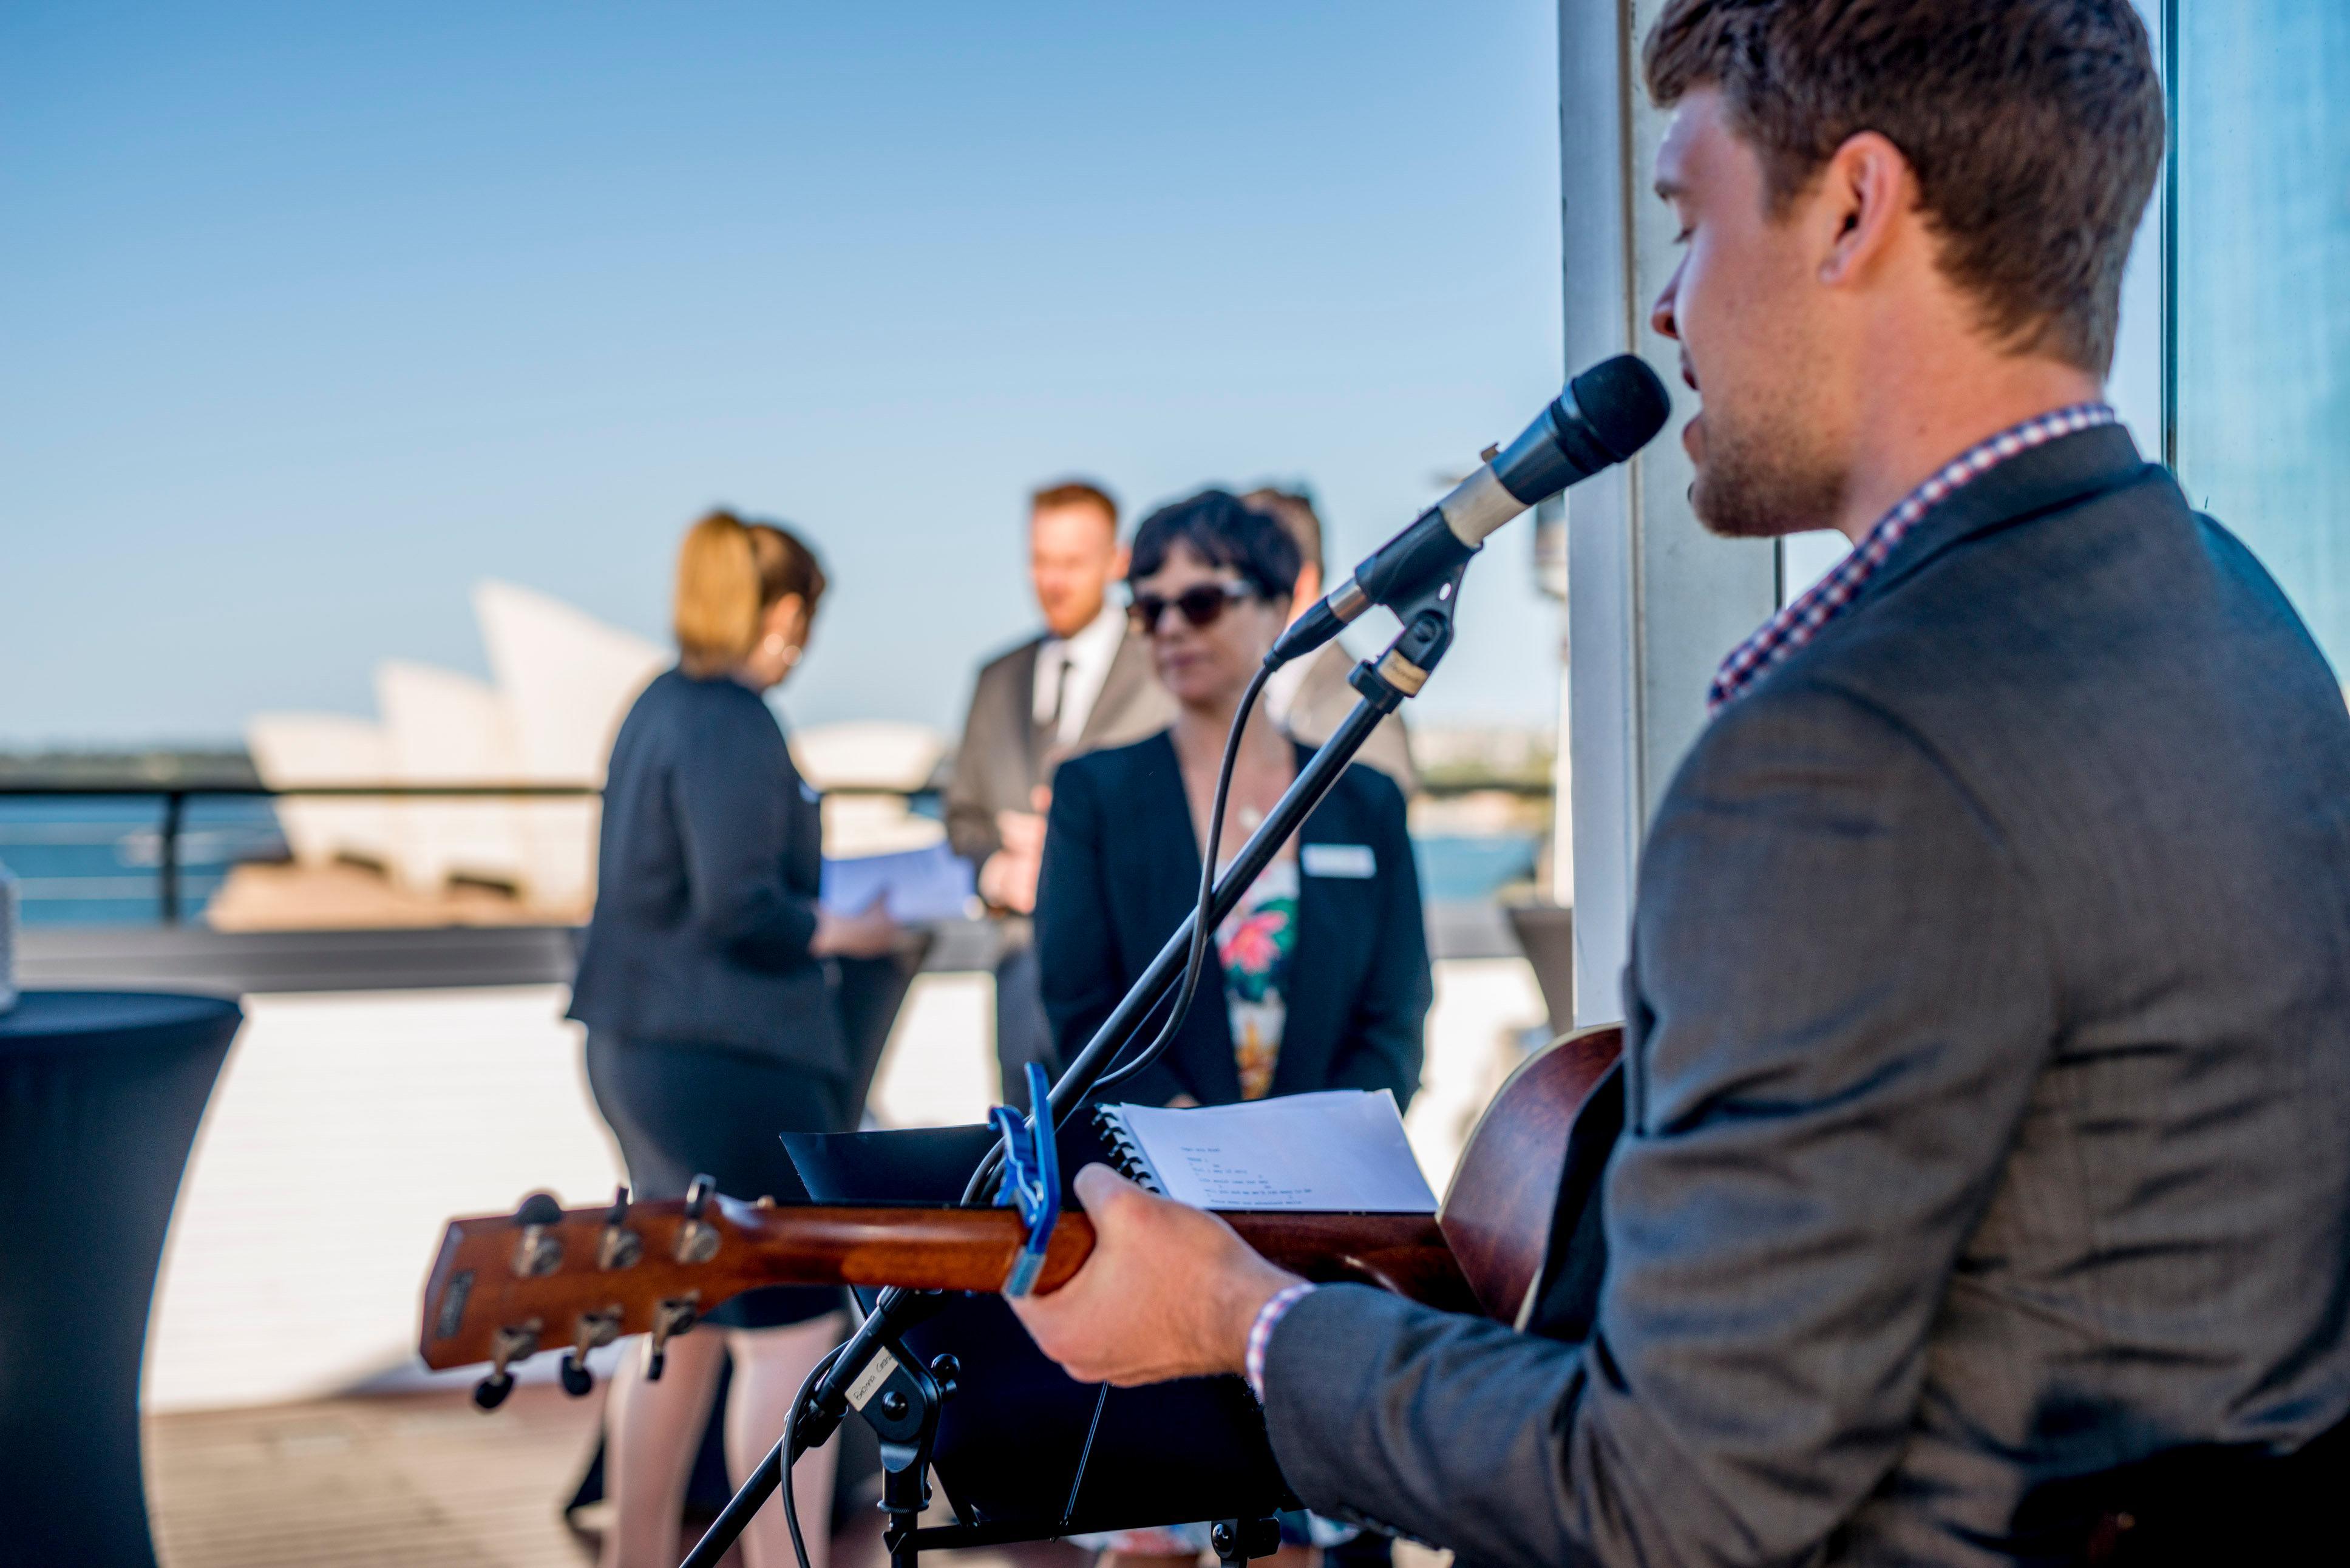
(1202, 604)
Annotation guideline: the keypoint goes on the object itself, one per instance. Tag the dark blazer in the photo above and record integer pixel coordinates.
(1987, 1091)
(1002, 756)
(1122, 869)
(1323, 702)
(707, 874)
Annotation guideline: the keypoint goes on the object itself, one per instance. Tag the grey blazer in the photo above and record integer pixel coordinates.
(1003, 757)
(1986, 1092)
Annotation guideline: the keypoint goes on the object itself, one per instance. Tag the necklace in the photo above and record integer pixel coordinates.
(1250, 818)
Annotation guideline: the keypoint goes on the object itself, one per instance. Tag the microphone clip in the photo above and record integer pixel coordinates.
(1404, 666)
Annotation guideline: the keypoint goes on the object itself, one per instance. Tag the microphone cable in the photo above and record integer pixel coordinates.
(1204, 913)
(791, 1451)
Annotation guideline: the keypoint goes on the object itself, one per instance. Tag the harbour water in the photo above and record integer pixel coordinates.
(96, 860)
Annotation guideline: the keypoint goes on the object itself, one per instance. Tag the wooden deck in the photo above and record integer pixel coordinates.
(380, 1482)
(407, 1481)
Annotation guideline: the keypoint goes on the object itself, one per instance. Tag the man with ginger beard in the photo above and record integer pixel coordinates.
(1083, 682)
(1981, 1193)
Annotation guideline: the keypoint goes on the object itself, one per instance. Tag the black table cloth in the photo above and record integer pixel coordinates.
(101, 1093)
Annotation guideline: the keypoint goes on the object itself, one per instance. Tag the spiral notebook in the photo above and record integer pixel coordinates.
(1339, 1151)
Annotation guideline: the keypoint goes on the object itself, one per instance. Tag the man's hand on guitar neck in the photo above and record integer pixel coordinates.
(1168, 1290)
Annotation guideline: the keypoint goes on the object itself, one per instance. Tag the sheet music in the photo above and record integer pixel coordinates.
(1342, 1150)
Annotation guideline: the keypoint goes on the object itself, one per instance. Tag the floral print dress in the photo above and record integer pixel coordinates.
(1255, 944)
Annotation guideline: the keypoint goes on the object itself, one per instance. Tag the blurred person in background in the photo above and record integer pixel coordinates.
(1309, 698)
(1083, 682)
(1319, 978)
(711, 1021)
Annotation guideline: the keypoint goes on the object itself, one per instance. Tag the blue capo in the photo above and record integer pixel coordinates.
(1032, 1178)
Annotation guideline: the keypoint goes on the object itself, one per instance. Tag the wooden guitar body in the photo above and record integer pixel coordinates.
(503, 1287)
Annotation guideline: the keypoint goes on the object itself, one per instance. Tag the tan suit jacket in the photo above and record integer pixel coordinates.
(1323, 701)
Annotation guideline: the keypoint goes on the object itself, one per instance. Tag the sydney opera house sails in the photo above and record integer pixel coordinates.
(561, 682)
(292, 751)
(566, 680)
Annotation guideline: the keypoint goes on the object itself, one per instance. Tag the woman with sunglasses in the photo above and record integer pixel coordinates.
(1319, 979)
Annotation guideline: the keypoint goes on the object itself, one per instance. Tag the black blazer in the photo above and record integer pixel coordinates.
(1122, 869)
(707, 875)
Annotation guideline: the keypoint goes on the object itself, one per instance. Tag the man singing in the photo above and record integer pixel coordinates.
(1987, 1093)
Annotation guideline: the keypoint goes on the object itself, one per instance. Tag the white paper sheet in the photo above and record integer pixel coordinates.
(921, 885)
(1342, 1150)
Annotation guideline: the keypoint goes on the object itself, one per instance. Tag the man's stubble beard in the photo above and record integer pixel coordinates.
(1765, 477)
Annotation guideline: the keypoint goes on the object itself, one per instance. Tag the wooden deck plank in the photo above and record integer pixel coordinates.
(386, 1481)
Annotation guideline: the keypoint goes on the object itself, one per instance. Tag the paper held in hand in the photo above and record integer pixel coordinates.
(1340, 1151)
(920, 885)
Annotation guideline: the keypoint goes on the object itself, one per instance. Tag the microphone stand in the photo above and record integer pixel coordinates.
(1383, 683)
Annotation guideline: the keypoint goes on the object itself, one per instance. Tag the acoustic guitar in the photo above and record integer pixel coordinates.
(505, 1286)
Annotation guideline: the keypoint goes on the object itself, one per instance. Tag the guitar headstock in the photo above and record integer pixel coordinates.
(507, 1286)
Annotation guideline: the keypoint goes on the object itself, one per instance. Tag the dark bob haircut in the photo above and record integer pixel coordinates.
(1215, 526)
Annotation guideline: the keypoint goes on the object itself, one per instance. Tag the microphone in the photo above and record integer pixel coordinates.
(1605, 414)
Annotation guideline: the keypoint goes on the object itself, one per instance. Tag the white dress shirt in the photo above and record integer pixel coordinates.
(1070, 672)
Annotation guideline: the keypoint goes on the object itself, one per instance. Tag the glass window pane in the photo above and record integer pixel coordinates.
(2262, 288)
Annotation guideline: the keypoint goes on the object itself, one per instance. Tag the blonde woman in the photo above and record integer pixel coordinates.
(711, 1021)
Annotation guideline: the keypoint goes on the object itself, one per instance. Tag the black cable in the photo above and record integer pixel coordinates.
(1195, 962)
(1203, 914)
(792, 1450)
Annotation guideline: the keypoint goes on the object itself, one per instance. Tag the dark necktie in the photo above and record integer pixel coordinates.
(1060, 699)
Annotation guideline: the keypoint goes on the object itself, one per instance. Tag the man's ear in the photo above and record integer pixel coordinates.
(1867, 191)
(1118, 564)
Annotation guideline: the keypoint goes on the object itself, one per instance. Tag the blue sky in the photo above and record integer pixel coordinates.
(312, 315)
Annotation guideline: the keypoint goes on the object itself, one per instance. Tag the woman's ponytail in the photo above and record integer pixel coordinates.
(717, 609)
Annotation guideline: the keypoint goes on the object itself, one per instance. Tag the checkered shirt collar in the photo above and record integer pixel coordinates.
(1802, 620)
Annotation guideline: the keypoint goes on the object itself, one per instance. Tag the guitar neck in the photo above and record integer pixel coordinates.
(582, 1277)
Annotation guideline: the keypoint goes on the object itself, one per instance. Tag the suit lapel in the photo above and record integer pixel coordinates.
(1020, 718)
(1171, 876)
(1130, 672)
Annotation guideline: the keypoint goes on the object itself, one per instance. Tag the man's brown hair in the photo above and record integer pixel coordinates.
(1074, 492)
(1293, 509)
(2035, 129)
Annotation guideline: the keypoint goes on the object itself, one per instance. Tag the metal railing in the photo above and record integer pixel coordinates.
(175, 797)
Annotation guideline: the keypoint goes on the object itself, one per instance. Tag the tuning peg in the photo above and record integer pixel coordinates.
(616, 1246)
(697, 1239)
(540, 1209)
(539, 1253)
(511, 1344)
(591, 1330)
(672, 1317)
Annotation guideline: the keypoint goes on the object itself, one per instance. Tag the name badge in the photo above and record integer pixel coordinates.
(1351, 860)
